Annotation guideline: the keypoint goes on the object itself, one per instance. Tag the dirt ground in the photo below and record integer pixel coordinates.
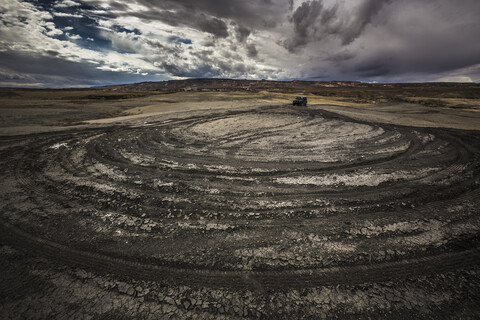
(236, 205)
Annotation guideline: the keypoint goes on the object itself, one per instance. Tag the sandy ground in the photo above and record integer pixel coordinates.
(411, 115)
(229, 205)
(408, 114)
(42, 111)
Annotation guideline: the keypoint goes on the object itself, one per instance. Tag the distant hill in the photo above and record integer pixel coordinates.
(208, 84)
(228, 84)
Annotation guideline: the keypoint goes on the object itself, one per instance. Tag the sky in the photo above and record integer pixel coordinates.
(79, 43)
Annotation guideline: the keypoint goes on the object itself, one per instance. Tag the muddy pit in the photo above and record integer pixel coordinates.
(270, 212)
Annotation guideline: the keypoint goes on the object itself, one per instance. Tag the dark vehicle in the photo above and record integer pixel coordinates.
(300, 101)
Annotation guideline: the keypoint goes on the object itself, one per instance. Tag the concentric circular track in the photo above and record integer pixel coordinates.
(275, 196)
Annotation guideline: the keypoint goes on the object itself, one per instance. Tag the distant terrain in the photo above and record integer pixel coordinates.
(360, 91)
(72, 106)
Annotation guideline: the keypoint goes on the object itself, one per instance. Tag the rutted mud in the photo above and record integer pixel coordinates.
(280, 196)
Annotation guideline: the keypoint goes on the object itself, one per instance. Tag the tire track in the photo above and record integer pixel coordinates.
(182, 190)
(350, 275)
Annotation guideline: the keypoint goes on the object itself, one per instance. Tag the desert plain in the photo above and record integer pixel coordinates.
(120, 203)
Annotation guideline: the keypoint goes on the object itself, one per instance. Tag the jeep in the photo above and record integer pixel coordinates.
(300, 101)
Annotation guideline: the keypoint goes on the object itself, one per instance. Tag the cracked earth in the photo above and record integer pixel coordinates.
(262, 212)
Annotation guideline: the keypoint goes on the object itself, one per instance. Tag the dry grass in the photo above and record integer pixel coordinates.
(452, 103)
(183, 100)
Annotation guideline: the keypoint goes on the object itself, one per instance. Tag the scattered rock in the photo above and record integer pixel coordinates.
(122, 287)
(81, 274)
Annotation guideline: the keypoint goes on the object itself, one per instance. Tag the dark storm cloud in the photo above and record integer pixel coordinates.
(52, 53)
(252, 50)
(201, 22)
(204, 55)
(419, 58)
(340, 56)
(214, 26)
(435, 43)
(304, 19)
(119, 5)
(240, 67)
(242, 33)
(312, 21)
(169, 50)
(366, 12)
(56, 72)
(247, 12)
(43, 65)
(290, 5)
(195, 71)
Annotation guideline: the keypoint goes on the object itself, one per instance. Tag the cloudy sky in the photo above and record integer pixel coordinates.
(69, 43)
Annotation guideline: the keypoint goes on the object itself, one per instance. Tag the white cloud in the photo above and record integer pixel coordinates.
(68, 15)
(73, 36)
(21, 84)
(66, 4)
(455, 79)
(54, 32)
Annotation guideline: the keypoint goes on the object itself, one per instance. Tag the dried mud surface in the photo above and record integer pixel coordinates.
(262, 212)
